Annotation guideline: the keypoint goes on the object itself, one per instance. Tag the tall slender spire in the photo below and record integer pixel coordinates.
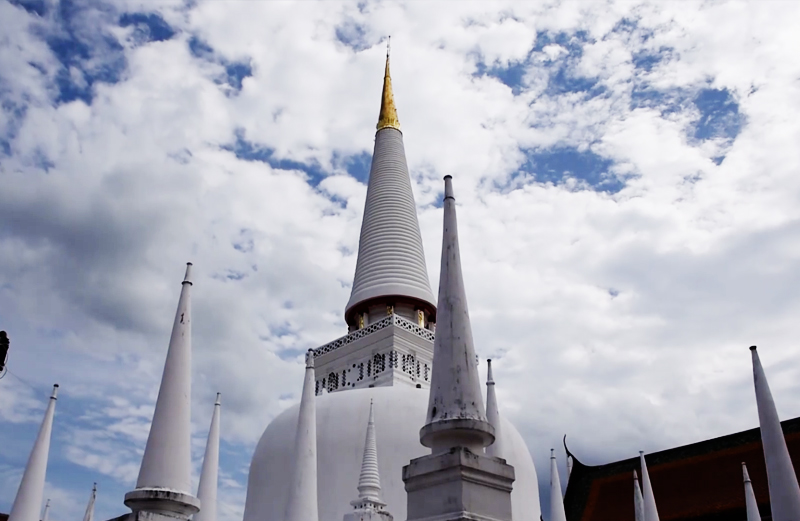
(784, 493)
(28, 502)
(638, 501)
(391, 261)
(302, 504)
(388, 114)
(369, 482)
(445, 483)
(46, 513)
(456, 416)
(89, 514)
(492, 414)
(167, 463)
(557, 512)
(369, 505)
(650, 510)
(207, 489)
(750, 497)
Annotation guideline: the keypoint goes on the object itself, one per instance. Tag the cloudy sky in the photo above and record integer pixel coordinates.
(628, 179)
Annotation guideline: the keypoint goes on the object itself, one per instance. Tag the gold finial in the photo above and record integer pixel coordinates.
(388, 115)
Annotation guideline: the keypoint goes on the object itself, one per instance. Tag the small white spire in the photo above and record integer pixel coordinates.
(557, 512)
(167, 462)
(638, 501)
(302, 503)
(750, 497)
(369, 482)
(209, 476)
(89, 514)
(649, 500)
(46, 513)
(493, 414)
(569, 467)
(784, 493)
(28, 502)
(368, 506)
(456, 416)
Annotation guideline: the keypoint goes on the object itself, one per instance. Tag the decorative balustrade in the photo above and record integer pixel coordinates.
(372, 328)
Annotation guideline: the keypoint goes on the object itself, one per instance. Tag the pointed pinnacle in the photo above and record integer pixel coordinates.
(388, 115)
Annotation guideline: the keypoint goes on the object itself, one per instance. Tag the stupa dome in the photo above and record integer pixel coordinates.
(400, 412)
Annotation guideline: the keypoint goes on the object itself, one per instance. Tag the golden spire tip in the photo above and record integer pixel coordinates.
(388, 114)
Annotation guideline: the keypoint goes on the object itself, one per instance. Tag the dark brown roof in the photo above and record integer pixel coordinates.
(697, 482)
(3, 517)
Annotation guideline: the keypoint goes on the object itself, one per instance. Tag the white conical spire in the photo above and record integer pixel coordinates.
(369, 482)
(650, 510)
(557, 512)
(750, 497)
(28, 502)
(167, 458)
(368, 506)
(46, 513)
(391, 260)
(456, 416)
(167, 463)
(492, 414)
(207, 489)
(302, 504)
(638, 501)
(784, 493)
(89, 514)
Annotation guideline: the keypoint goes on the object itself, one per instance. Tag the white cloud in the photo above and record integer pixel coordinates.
(620, 319)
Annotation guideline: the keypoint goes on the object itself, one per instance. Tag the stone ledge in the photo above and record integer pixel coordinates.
(154, 503)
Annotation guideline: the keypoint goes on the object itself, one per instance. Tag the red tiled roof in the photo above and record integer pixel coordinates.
(701, 481)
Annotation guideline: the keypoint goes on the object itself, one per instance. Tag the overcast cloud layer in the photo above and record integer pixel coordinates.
(628, 190)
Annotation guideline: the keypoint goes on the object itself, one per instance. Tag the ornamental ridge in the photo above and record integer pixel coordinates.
(375, 326)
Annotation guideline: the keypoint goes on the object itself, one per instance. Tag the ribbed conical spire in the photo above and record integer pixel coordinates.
(28, 502)
(391, 261)
(784, 493)
(207, 489)
(89, 514)
(456, 416)
(167, 463)
(649, 500)
(492, 414)
(638, 501)
(369, 482)
(302, 504)
(557, 512)
(750, 497)
(46, 514)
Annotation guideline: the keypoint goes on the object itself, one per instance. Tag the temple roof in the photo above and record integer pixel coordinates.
(699, 482)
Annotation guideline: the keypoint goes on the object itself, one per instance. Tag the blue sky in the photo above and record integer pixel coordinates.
(627, 184)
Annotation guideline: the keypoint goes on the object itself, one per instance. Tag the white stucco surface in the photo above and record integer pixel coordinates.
(341, 419)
